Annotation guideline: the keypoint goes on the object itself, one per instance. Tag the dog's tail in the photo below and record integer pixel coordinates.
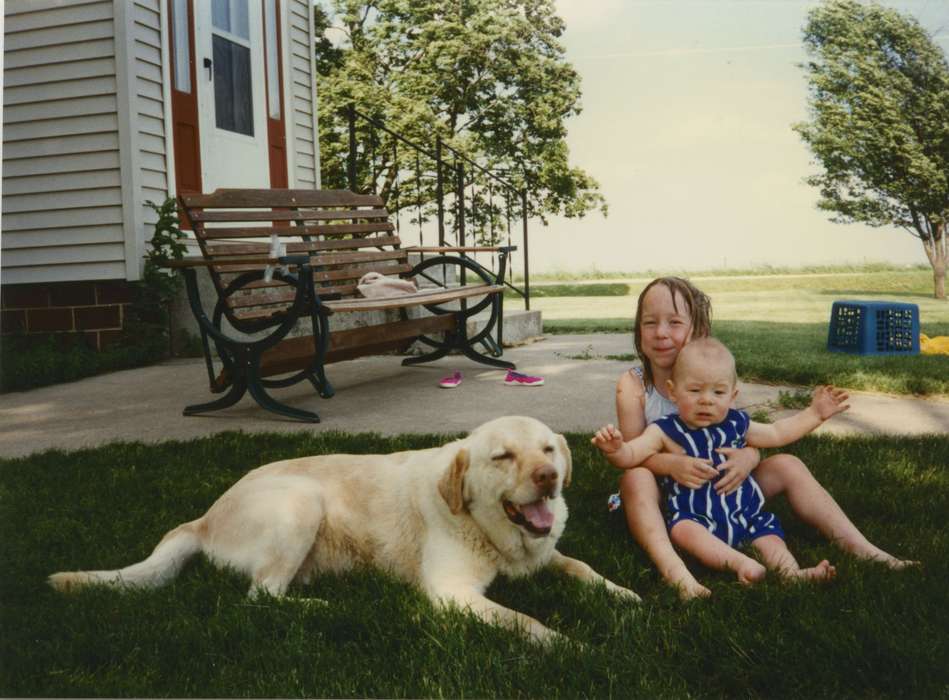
(162, 565)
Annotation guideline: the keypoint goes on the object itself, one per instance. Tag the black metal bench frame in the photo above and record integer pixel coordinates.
(249, 365)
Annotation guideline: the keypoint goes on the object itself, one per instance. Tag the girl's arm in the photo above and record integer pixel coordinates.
(630, 406)
(826, 402)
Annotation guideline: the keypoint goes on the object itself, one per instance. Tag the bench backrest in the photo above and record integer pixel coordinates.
(346, 235)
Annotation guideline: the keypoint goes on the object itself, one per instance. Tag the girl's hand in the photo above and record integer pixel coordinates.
(608, 439)
(739, 461)
(829, 401)
(691, 471)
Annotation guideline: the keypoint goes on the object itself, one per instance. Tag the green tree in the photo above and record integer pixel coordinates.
(488, 76)
(879, 122)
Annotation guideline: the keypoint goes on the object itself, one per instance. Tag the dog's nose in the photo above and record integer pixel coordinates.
(545, 477)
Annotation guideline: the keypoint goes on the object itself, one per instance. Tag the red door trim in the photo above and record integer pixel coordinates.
(276, 131)
(186, 135)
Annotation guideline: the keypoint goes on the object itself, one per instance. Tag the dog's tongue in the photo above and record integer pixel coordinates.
(538, 514)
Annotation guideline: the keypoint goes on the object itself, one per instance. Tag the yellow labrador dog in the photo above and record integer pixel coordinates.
(447, 519)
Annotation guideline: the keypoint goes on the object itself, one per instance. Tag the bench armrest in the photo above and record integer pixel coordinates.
(461, 249)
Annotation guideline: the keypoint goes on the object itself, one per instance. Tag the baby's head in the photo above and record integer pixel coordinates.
(686, 300)
(704, 382)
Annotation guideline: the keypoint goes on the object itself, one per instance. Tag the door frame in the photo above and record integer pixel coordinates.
(184, 162)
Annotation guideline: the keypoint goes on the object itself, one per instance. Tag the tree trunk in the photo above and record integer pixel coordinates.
(937, 250)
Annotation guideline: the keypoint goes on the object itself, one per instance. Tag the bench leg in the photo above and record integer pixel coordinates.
(491, 346)
(237, 391)
(427, 357)
(459, 341)
(271, 404)
(257, 390)
(322, 385)
(245, 381)
(473, 354)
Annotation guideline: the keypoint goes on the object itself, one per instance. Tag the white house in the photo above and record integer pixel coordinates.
(109, 103)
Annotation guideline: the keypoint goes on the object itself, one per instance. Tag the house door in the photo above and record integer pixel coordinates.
(231, 94)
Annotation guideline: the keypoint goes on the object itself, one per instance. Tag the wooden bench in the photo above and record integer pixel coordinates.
(332, 238)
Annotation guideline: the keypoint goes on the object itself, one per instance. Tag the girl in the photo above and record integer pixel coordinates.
(669, 313)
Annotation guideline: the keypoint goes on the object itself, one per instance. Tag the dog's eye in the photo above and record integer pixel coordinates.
(502, 456)
(549, 449)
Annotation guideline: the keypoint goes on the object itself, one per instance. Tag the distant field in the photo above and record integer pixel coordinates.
(791, 298)
(777, 325)
(762, 270)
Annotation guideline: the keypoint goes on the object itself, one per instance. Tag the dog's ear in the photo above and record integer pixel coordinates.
(451, 485)
(567, 458)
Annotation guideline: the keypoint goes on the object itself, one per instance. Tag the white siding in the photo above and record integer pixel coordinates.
(86, 139)
(299, 95)
(150, 110)
(61, 184)
(82, 81)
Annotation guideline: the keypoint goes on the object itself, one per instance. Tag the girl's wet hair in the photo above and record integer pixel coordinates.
(699, 308)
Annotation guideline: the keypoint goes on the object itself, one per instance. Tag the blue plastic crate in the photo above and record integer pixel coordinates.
(874, 328)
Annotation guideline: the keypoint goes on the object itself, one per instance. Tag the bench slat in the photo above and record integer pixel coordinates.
(349, 273)
(226, 215)
(290, 215)
(356, 271)
(235, 249)
(327, 259)
(324, 290)
(283, 231)
(248, 307)
(227, 197)
(437, 296)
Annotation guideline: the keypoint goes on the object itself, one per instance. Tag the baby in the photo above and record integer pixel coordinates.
(704, 523)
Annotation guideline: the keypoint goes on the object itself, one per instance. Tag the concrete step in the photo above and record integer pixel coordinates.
(520, 325)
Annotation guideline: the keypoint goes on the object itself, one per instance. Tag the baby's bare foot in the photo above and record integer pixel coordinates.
(824, 571)
(750, 572)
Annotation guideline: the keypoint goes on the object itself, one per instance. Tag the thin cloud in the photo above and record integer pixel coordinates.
(685, 51)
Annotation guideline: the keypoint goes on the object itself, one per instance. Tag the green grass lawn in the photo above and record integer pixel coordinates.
(870, 633)
(777, 325)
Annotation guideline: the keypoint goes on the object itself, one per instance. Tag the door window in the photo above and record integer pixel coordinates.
(273, 68)
(233, 94)
(182, 53)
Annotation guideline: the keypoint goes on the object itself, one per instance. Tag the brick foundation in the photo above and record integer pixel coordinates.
(95, 309)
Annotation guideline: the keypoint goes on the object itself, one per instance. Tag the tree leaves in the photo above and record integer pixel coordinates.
(879, 127)
(488, 77)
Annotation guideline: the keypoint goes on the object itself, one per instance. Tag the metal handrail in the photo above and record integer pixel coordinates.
(460, 159)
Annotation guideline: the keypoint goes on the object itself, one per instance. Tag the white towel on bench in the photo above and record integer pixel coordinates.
(374, 285)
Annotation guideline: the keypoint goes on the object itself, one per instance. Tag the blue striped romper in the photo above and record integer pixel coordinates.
(736, 518)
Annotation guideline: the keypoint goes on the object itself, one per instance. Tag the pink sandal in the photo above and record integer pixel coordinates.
(517, 379)
(451, 381)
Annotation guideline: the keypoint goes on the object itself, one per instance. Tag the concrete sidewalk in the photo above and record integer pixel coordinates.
(378, 394)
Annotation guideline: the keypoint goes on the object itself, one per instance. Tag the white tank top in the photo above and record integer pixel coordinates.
(656, 405)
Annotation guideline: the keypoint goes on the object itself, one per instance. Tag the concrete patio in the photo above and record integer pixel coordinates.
(377, 394)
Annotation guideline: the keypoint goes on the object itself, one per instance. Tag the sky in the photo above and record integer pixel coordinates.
(686, 124)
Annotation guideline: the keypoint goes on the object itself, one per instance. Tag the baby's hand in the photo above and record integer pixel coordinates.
(692, 472)
(828, 401)
(608, 439)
